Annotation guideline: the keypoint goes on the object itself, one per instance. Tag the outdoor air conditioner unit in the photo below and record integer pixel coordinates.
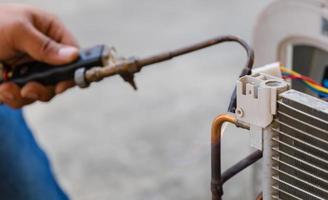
(288, 122)
(295, 146)
(295, 160)
(291, 128)
(288, 128)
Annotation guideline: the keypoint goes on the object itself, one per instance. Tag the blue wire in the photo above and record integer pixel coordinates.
(325, 83)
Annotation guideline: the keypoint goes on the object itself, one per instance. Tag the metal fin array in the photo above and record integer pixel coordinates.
(300, 148)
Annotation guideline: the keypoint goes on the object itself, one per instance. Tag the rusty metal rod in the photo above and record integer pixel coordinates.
(128, 67)
(134, 65)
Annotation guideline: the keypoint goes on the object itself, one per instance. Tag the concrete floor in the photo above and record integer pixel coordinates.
(109, 142)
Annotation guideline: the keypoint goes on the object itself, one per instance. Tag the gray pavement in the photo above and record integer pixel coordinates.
(109, 142)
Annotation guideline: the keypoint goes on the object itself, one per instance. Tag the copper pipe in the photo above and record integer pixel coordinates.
(260, 196)
(198, 46)
(217, 125)
(241, 165)
(216, 185)
(127, 67)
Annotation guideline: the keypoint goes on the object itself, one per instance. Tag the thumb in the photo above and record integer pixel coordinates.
(44, 49)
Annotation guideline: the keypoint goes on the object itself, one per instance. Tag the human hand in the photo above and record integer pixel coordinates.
(26, 34)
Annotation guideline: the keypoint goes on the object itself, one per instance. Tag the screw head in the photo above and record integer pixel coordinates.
(239, 112)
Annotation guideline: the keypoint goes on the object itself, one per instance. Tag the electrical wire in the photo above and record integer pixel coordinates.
(301, 78)
(321, 94)
(310, 83)
(286, 76)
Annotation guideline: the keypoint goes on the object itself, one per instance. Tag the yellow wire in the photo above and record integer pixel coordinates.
(317, 87)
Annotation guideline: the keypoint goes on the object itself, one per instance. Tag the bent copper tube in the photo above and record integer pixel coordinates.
(217, 178)
(216, 185)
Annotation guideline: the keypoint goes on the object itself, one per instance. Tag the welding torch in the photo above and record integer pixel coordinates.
(102, 61)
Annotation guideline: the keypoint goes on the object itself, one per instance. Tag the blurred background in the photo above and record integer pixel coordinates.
(110, 142)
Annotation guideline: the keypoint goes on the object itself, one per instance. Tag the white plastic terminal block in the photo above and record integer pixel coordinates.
(256, 98)
(270, 69)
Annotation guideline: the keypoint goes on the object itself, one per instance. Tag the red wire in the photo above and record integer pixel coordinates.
(303, 78)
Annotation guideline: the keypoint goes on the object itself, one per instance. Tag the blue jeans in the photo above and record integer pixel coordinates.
(25, 173)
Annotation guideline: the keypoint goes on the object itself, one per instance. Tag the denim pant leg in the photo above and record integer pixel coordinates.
(25, 173)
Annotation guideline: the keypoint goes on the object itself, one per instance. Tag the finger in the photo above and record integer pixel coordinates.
(53, 27)
(42, 48)
(37, 91)
(51, 92)
(67, 37)
(10, 95)
(63, 86)
(61, 34)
